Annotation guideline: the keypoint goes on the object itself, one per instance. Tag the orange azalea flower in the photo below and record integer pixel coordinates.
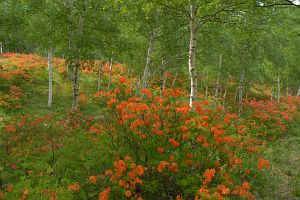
(120, 167)
(123, 183)
(162, 165)
(203, 190)
(183, 109)
(74, 187)
(117, 90)
(172, 157)
(204, 118)
(185, 136)
(173, 167)
(140, 170)
(201, 138)
(128, 91)
(223, 189)
(93, 179)
(246, 185)
(147, 92)
(9, 188)
(127, 158)
(262, 163)
(184, 128)
(253, 149)
(174, 143)
(209, 174)
(160, 150)
(111, 102)
(189, 155)
(108, 172)
(132, 174)
(104, 195)
(122, 80)
(128, 193)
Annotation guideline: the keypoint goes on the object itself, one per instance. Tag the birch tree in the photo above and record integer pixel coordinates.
(50, 77)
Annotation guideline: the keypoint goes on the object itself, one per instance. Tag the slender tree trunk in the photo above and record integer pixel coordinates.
(241, 92)
(192, 54)
(71, 46)
(99, 76)
(218, 82)
(248, 90)
(162, 79)
(298, 93)
(272, 89)
(137, 86)
(278, 88)
(76, 84)
(174, 80)
(1, 48)
(225, 94)
(77, 65)
(148, 59)
(236, 93)
(129, 72)
(206, 89)
(50, 77)
(110, 74)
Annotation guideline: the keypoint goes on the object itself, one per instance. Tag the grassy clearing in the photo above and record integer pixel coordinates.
(284, 179)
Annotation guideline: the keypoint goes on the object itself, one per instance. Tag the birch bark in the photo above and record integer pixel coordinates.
(192, 54)
(218, 81)
(110, 74)
(50, 73)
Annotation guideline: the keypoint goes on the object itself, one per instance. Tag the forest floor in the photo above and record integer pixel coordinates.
(283, 183)
(284, 180)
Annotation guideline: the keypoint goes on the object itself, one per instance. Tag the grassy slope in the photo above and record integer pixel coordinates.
(284, 180)
(283, 183)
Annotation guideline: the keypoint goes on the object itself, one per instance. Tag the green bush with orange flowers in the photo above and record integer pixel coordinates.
(148, 147)
(201, 154)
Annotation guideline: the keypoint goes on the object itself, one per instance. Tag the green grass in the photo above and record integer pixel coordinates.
(284, 180)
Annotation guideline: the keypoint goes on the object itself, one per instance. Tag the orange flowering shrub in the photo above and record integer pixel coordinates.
(271, 115)
(202, 150)
(149, 147)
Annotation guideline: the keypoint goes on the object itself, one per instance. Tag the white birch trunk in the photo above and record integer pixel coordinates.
(192, 54)
(148, 59)
(76, 85)
(162, 79)
(298, 93)
(1, 48)
(50, 72)
(70, 64)
(99, 77)
(206, 89)
(110, 74)
(77, 67)
(174, 80)
(218, 82)
(137, 86)
(241, 92)
(248, 90)
(272, 89)
(225, 94)
(129, 72)
(236, 93)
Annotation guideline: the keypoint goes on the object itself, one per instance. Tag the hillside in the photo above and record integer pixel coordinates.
(117, 145)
